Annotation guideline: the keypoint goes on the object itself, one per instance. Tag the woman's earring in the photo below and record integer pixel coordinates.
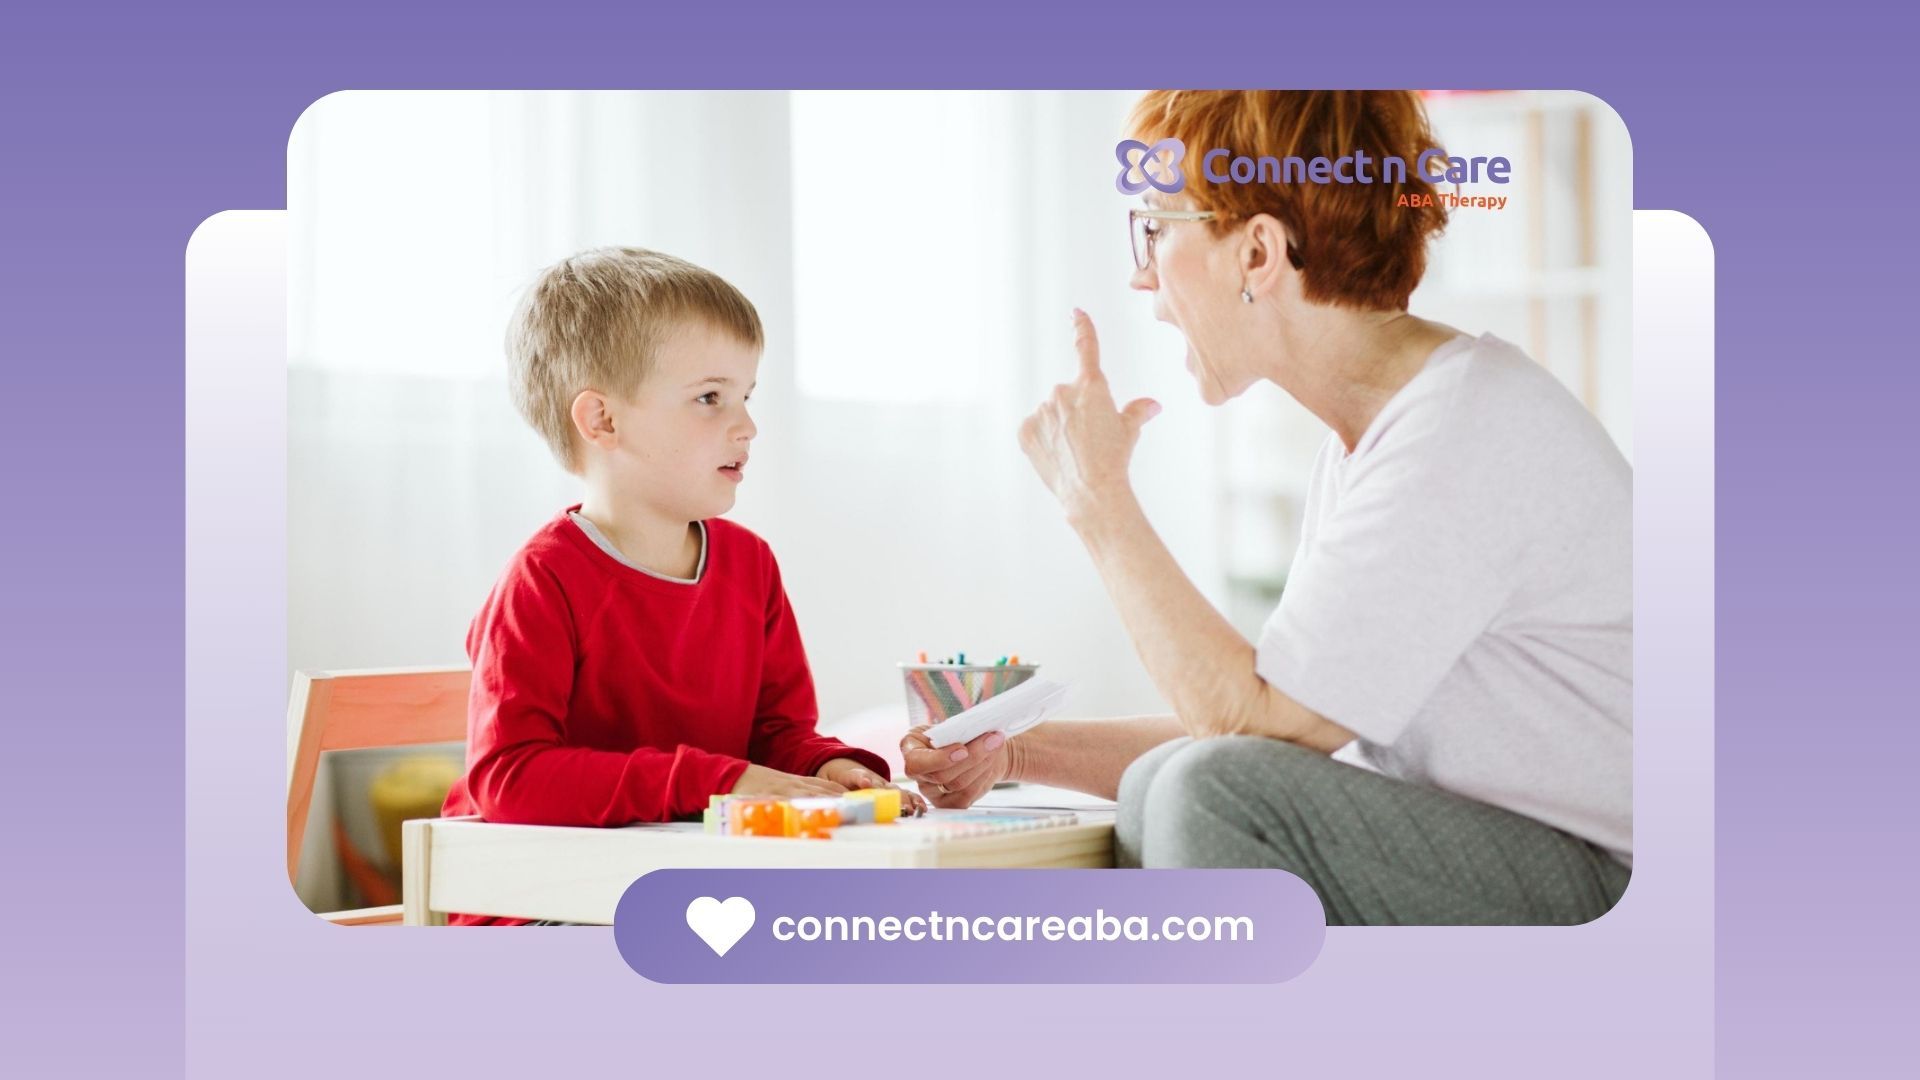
(1246, 295)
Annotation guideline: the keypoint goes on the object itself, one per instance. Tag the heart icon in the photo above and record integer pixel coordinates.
(721, 924)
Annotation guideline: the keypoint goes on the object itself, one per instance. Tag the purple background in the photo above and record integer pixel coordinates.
(1288, 926)
(120, 131)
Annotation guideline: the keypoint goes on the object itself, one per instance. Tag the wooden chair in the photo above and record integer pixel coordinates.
(358, 710)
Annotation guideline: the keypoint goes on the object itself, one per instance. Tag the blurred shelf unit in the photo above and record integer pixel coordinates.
(1550, 272)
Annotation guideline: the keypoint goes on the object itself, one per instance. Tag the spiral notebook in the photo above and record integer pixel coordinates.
(938, 825)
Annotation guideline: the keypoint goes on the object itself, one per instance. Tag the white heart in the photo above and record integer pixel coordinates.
(720, 924)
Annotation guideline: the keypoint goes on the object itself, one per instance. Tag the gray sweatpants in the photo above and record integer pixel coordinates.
(1379, 851)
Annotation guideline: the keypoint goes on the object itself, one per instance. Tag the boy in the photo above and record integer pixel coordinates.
(638, 653)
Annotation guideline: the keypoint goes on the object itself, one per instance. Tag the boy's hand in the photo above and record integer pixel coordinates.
(761, 781)
(853, 776)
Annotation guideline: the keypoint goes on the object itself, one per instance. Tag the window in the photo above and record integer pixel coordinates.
(897, 179)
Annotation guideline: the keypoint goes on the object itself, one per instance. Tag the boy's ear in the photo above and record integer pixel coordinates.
(592, 420)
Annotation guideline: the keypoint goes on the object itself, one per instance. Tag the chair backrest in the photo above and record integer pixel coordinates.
(358, 710)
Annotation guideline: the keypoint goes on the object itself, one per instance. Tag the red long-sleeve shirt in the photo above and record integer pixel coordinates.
(603, 695)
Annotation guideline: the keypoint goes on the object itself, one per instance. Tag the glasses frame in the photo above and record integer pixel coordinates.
(1142, 259)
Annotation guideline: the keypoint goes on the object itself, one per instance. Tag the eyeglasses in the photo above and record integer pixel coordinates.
(1144, 233)
(1141, 225)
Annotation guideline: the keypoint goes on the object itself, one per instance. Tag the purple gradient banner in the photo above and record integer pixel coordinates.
(969, 926)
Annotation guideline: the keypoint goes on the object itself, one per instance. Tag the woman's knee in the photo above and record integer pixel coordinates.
(1233, 766)
(1138, 777)
(1211, 801)
(1130, 820)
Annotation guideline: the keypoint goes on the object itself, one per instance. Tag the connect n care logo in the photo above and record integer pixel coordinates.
(1146, 162)
(1158, 167)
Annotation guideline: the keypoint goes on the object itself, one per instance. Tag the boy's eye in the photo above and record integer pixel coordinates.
(711, 397)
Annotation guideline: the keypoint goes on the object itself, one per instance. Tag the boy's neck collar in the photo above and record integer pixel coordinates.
(629, 545)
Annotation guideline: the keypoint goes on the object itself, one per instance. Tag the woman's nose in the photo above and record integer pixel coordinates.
(1146, 279)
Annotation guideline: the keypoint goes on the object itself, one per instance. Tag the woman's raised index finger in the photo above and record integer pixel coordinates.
(1087, 343)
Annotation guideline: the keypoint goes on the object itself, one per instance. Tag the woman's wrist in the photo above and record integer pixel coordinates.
(1100, 513)
(1017, 755)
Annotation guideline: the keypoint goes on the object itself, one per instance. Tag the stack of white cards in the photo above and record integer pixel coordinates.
(1009, 712)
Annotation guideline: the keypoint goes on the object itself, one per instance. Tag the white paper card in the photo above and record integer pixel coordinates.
(1009, 712)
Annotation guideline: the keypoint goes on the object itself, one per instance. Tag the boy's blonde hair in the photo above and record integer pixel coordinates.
(595, 321)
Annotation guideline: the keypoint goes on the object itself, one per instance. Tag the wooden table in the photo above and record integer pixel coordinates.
(579, 874)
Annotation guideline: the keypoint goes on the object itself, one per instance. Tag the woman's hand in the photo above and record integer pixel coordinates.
(1079, 443)
(952, 777)
(853, 776)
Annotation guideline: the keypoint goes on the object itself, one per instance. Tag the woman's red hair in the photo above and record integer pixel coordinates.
(1357, 246)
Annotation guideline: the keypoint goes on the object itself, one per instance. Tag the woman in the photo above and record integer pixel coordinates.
(1458, 618)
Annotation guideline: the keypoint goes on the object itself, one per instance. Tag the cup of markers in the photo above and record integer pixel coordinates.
(937, 690)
